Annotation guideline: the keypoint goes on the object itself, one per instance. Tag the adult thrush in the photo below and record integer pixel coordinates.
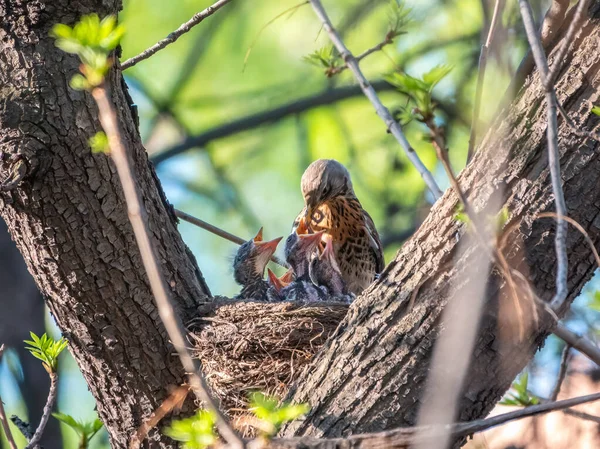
(249, 267)
(330, 205)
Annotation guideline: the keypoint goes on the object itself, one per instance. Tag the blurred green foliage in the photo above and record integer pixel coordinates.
(195, 432)
(519, 394)
(272, 413)
(84, 430)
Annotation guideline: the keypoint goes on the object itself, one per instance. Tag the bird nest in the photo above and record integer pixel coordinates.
(257, 346)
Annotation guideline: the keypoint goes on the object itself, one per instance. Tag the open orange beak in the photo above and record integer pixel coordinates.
(277, 283)
(288, 277)
(312, 239)
(269, 246)
(301, 228)
(259, 236)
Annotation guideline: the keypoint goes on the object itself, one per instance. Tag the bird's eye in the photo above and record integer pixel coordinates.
(326, 190)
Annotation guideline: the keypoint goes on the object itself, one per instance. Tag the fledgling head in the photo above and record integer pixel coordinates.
(251, 259)
(299, 248)
(322, 180)
(325, 271)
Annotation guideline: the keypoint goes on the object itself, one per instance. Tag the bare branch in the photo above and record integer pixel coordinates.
(392, 125)
(3, 419)
(576, 130)
(184, 28)
(387, 41)
(553, 156)
(562, 372)
(403, 437)
(221, 233)
(485, 49)
(136, 212)
(582, 344)
(566, 42)
(37, 436)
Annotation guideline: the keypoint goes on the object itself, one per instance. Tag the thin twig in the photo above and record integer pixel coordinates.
(220, 232)
(560, 240)
(483, 56)
(172, 37)
(576, 130)
(566, 43)
(387, 41)
(3, 419)
(392, 125)
(562, 372)
(137, 213)
(37, 436)
(582, 344)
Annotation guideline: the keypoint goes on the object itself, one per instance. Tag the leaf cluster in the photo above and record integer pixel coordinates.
(85, 430)
(92, 40)
(272, 415)
(419, 91)
(195, 432)
(46, 349)
(520, 395)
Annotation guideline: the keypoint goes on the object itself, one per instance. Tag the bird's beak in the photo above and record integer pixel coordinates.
(277, 283)
(269, 246)
(288, 277)
(259, 236)
(312, 239)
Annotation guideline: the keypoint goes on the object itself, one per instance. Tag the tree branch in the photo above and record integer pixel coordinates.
(172, 37)
(392, 125)
(483, 56)
(47, 411)
(136, 213)
(3, 419)
(403, 437)
(553, 155)
(578, 342)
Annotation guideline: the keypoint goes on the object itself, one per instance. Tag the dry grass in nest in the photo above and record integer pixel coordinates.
(249, 346)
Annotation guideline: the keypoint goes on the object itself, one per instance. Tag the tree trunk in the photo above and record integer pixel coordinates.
(23, 311)
(372, 375)
(68, 218)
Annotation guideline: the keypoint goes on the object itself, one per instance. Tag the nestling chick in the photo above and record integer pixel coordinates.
(249, 267)
(331, 206)
(325, 272)
(296, 290)
(299, 249)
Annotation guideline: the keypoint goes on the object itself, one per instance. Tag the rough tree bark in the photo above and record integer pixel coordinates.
(68, 218)
(69, 221)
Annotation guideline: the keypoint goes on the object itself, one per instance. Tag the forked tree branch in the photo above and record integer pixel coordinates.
(172, 37)
(392, 125)
(137, 213)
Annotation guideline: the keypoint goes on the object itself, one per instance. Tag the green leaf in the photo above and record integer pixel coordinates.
(595, 110)
(60, 30)
(86, 430)
(99, 143)
(196, 432)
(501, 219)
(107, 26)
(69, 421)
(46, 349)
(595, 301)
(79, 82)
(271, 414)
(436, 74)
(323, 57)
(112, 40)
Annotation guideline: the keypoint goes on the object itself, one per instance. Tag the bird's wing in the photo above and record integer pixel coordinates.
(375, 242)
